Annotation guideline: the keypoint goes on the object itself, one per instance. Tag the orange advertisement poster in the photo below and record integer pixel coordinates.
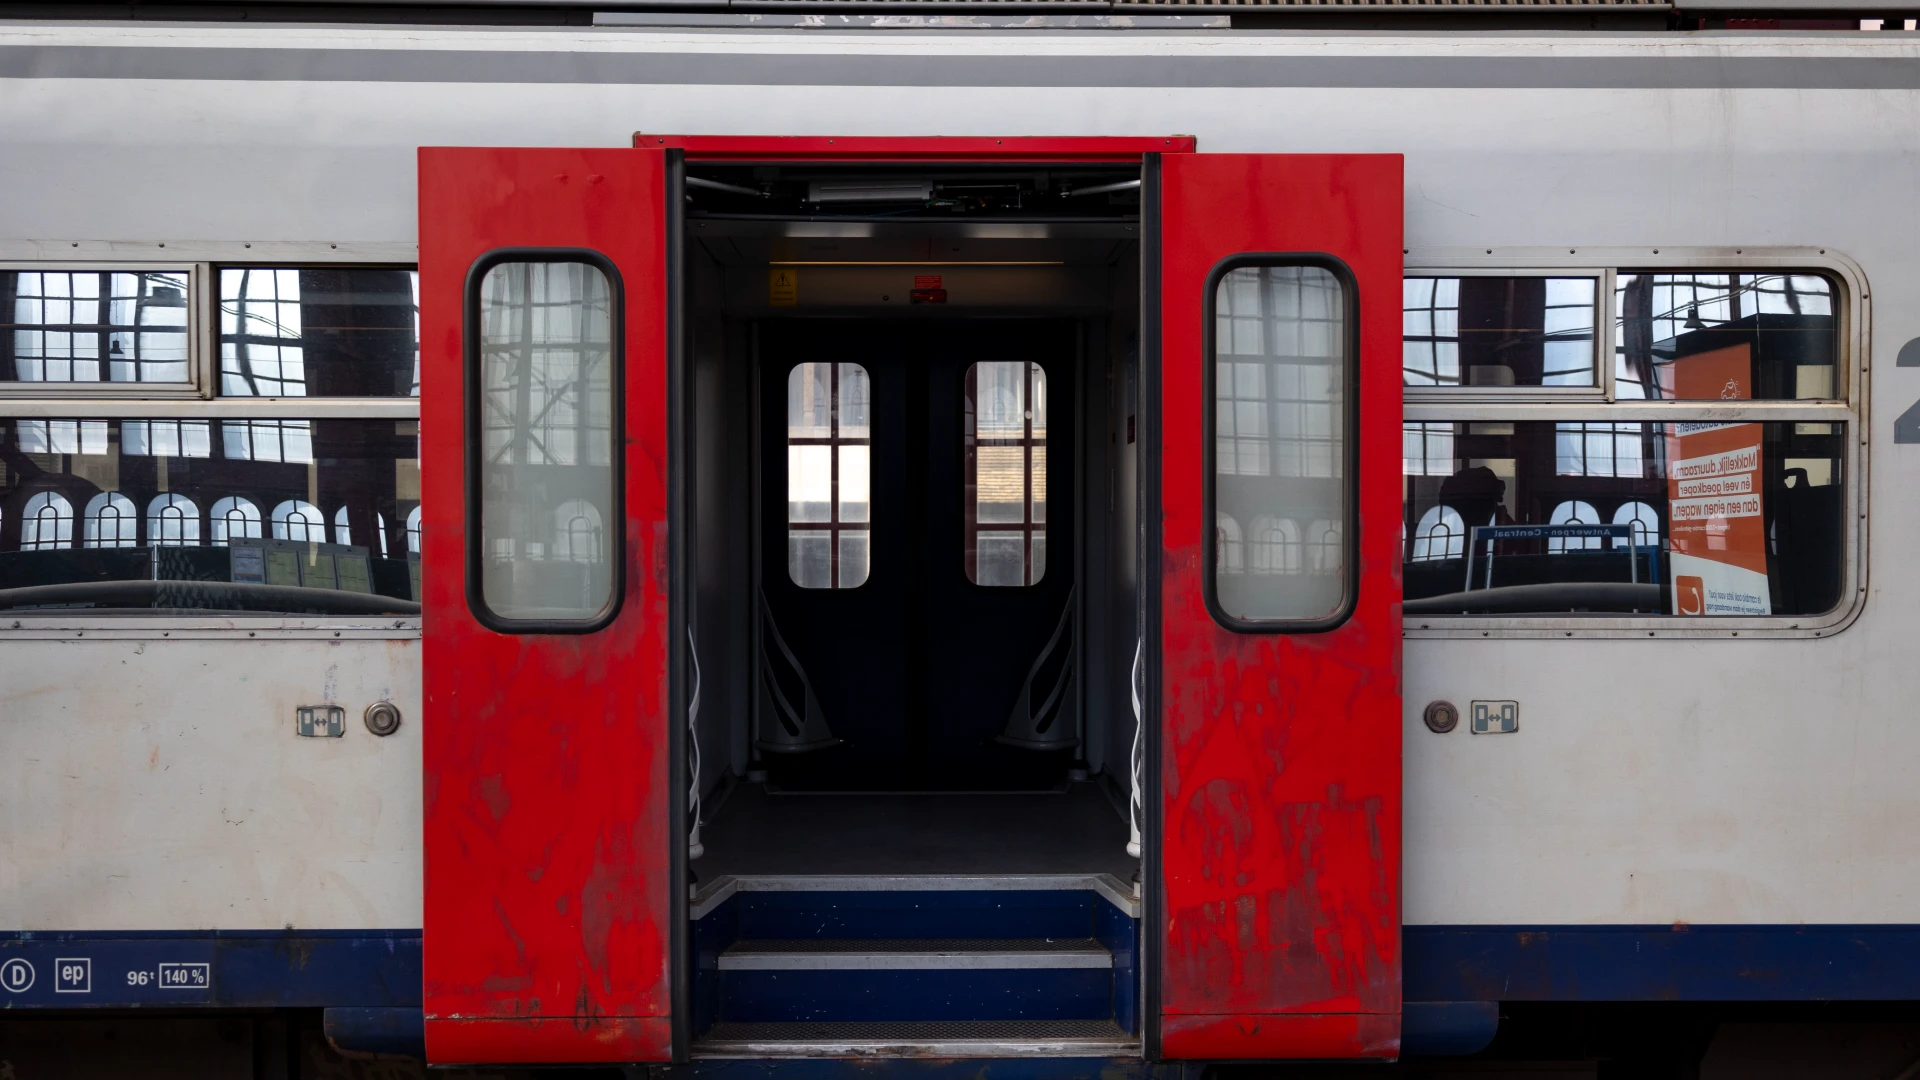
(1716, 520)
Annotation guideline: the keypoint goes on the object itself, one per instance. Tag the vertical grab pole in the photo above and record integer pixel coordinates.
(1137, 802)
(695, 848)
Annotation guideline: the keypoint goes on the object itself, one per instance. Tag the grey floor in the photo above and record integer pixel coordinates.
(754, 832)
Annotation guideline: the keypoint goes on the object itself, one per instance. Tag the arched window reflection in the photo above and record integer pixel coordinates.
(576, 532)
(173, 520)
(1229, 551)
(1324, 549)
(343, 529)
(413, 531)
(236, 518)
(46, 524)
(1440, 534)
(111, 521)
(1276, 546)
(297, 519)
(1573, 512)
(1645, 521)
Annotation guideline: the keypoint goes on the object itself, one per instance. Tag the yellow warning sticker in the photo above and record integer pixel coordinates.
(783, 286)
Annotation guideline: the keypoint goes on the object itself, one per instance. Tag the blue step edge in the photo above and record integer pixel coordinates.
(919, 994)
(744, 912)
(377, 1032)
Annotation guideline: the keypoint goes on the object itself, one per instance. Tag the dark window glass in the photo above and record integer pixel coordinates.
(93, 326)
(1544, 517)
(1763, 337)
(317, 504)
(319, 332)
(1499, 331)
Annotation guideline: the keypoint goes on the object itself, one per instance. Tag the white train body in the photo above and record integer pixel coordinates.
(152, 781)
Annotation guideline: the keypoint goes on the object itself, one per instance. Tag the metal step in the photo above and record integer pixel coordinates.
(917, 1038)
(918, 954)
(711, 892)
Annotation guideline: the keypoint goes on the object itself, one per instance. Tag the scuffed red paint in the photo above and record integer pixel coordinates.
(558, 1042)
(545, 756)
(1280, 753)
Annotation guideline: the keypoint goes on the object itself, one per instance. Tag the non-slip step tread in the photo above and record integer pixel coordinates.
(922, 953)
(907, 1038)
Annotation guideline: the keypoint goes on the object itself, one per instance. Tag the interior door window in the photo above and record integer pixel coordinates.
(829, 503)
(1006, 473)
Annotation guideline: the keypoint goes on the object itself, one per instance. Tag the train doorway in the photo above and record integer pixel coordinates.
(923, 737)
(904, 385)
(866, 615)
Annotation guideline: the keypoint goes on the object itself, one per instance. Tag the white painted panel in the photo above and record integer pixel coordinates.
(159, 785)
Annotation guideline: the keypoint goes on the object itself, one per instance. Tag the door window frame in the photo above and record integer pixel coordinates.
(473, 404)
(1350, 449)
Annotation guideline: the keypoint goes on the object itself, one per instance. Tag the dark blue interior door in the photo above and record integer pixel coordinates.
(919, 654)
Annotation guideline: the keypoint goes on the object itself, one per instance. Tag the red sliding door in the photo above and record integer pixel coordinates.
(1279, 606)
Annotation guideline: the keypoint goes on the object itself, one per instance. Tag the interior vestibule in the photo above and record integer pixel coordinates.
(913, 541)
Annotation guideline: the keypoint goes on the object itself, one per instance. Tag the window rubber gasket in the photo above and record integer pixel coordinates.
(1350, 538)
(471, 451)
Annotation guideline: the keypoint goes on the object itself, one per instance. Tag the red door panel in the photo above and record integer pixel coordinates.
(546, 755)
(1280, 753)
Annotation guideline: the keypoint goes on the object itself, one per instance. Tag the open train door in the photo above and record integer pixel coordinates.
(549, 917)
(1275, 668)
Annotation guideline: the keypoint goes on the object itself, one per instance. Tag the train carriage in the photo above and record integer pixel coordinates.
(1122, 543)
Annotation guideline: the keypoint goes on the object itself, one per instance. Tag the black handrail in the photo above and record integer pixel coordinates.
(204, 596)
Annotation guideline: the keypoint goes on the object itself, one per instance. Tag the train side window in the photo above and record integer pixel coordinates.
(319, 332)
(1279, 448)
(1005, 510)
(1689, 518)
(1497, 331)
(543, 480)
(108, 516)
(116, 508)
(1777, 332)
(829, 443)
(1683, 493)
(72, 327)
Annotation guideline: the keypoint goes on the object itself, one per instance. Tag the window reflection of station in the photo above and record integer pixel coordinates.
(127, 497)
(1511, 341)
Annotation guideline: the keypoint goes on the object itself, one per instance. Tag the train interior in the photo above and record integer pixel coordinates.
(912, 431)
